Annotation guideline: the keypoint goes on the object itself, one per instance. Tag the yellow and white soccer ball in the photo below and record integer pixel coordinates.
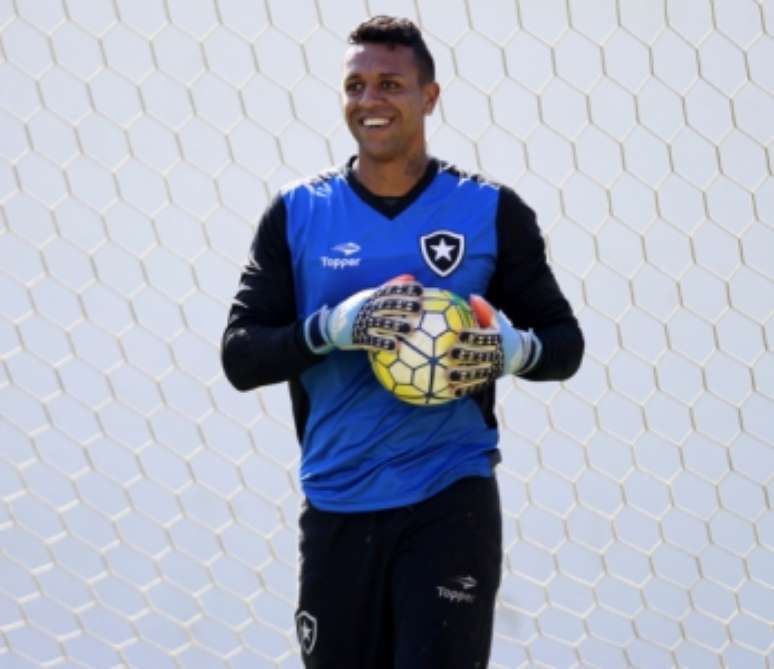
(416, 372)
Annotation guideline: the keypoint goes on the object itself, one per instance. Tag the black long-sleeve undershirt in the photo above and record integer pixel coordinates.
(525, 288)
(263, 342)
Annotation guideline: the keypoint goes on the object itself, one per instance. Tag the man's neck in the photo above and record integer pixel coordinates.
(393, 178)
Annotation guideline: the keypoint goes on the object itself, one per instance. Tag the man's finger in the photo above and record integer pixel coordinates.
(478, 338)
(483, 311)
(375, 342)
(462, 389)
(462, 375)
(402, 278)
(395, 304)
(408, 288)
(389, 324)
(462, 356)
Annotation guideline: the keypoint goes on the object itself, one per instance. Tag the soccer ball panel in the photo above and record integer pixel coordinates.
(383, 374)
(445, 342)
(423, 377)
(409, 393)
(417, 347)
(435, 324)
(453, 319)
(401, 373)
(436, 302)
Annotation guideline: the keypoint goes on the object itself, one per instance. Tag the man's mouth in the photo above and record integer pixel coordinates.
(375, 121)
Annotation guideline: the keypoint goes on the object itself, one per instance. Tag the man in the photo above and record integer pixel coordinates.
(401, 526)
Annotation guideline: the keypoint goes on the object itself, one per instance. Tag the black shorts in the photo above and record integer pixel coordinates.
(406, 588)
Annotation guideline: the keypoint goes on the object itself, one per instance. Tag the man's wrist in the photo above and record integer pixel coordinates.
(521, 348)
(533, 351)
(315, 331)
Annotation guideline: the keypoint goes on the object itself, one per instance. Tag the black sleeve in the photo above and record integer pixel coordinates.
(263, 342)
(524, 287)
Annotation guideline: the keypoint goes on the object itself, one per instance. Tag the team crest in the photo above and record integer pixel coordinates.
(306, 628)
(442, 251)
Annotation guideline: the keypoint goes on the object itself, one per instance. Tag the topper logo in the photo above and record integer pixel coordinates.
(346, 249)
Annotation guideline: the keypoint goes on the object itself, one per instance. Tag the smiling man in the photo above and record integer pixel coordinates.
(401, 524)
(389, 88)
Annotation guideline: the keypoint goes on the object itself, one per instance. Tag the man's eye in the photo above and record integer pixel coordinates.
(353, 87)
(390, 85)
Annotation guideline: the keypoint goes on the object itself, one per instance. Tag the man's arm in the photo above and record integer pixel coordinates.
(525, 289)
(264, 342)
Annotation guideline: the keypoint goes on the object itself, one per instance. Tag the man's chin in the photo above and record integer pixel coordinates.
(378, 153)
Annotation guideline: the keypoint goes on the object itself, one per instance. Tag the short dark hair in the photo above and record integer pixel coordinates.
(392, 30)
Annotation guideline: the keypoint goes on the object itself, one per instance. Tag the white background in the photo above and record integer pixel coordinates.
(148, 511)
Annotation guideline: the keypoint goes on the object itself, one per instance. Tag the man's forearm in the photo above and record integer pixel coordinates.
(562, 352)
(257, 355)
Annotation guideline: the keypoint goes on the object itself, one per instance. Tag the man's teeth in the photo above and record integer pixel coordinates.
(375, 121)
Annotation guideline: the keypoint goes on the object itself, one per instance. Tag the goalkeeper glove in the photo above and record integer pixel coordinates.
(494, 349)
(369, 319)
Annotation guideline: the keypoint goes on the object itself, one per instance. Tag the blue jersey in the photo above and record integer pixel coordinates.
(326, 238)
(362, 448)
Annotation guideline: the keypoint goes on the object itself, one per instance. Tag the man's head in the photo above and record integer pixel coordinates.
(389, 87)
(392, 31)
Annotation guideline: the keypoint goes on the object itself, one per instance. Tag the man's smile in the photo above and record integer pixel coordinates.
(375, 121)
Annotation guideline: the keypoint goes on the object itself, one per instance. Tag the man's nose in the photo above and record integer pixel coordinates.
(371, 94)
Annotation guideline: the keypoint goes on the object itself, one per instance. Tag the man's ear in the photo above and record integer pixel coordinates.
(432, 91)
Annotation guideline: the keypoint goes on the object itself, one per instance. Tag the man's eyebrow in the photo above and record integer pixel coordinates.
(357, 75)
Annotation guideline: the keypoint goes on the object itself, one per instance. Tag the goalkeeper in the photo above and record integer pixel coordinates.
(400, 530)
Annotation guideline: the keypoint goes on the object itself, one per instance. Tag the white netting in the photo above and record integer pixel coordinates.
(148, 514)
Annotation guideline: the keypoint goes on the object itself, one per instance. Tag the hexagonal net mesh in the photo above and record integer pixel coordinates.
(148, 514)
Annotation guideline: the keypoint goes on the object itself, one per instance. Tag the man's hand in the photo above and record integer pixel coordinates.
(369, 319)
(493, 349)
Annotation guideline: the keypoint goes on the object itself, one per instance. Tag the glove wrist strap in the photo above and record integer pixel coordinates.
(533, 350)
(315, 333)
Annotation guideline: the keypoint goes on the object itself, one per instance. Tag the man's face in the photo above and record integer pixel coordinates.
(384, 102)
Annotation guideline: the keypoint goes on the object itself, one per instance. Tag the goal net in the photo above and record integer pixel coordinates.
(148, 510)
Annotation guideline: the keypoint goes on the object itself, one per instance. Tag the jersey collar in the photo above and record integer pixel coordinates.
(390, 207)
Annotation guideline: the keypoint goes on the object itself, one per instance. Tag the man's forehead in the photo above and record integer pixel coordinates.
(379, 59)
